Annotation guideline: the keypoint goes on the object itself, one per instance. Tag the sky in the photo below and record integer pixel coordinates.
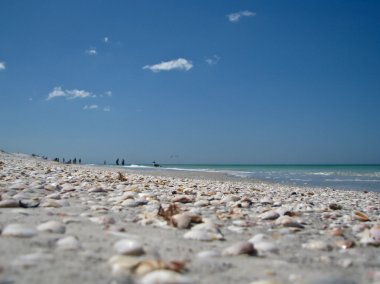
(217, 81)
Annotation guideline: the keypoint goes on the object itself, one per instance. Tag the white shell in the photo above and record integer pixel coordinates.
(165, 277)
(68, 243)
(19, 230)
(52, 227)
(129, 247)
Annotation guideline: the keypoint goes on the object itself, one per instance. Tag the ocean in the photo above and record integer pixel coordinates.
(349, 177)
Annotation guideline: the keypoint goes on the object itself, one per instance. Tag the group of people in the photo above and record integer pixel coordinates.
(122, 162)
(74, 161)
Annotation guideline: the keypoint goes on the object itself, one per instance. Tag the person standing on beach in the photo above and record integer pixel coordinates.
(122, 162)
(117, 161)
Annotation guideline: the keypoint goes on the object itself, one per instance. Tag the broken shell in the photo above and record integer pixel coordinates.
(240, 248)
(181, 221)
(129, 247)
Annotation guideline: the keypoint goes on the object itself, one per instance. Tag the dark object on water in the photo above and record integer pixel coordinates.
(156, 165)
(122, 162)
(117, 161)
(105, 162)
(80, 161)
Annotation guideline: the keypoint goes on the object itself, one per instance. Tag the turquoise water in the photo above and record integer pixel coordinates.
(353, 177)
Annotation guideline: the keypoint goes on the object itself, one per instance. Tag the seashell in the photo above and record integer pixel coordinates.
(165, 277)
(29, 203)
(344, 244)
(147, 266)
(269, 215)
(181, 221)
(336, 232)
(18, 230)
(240, 248)
(123, 263)
(334, 206)
(287, 221)
(51, 203)
(130, 203)
(317, 245)
(183, 199)
(129, 247)
(52, 227)
(258, 238)
(360, 216)
(266, 247)
(266, 201)
(9, 203)
(68, 243)
(229, 198)
(204, 232)
(372, 236)
(236, 229)
(103, 220)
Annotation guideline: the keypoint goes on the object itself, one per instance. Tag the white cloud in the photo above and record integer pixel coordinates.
(106, 39)
(235, 17)
(213, 60)
(2, 66)
(107, 108)
(89, 107)
(91, 51)
(69, 94)
(176, 64)
(108, 94)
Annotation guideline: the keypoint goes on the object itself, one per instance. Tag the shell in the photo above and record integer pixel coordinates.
(9, 203)
(165, 277)
(129, 247)
(360, 216)
(317, 245)
(68, 243)
(287, 221)
(181, 221)
(19, 230)
(52, 227)
(269, 215)
(240, 248)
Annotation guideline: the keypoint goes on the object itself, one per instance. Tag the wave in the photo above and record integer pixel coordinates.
(139, 166)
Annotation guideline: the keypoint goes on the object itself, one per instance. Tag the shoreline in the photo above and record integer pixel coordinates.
(190, 228)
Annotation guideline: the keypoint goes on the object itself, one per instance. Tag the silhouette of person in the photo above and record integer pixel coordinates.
(117, 161)
(63, 160)
(122, 162)
(80, 161)
(105, 162)
(75, 161)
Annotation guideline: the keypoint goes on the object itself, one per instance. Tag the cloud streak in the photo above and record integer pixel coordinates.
(175, 64)
(2, 66)
(89, 107)
(69, 94)
(235, 17)
(213, 60)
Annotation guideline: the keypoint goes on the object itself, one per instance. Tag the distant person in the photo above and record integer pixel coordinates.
(63, 160)
(80, 161)
(105, 162)
(75, 161)
(117, 161)
(156, 165)
(122, 162)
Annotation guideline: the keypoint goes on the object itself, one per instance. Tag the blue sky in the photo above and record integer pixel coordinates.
(197, 81)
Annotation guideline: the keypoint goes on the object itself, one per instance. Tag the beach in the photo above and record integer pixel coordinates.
(85, 224)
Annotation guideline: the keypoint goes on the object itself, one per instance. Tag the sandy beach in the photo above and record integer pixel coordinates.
(80, 224)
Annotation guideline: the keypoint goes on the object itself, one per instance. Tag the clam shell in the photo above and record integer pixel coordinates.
(165, 277)
(19, 230)
(240, 248)
(357, 215)
(129, 247)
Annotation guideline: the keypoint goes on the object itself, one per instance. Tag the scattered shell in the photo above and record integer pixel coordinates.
(334, 206)
(204, 232)
(19, 230)
(269, 215)
(181, 221)
(317, 245)
(165, 277)
(123, 263)
(129, 247)
(9, 203)
(266, 247)
(103, 220)
(372, 236)
(69, 243)
(344, 244)
(287, 221)
(360, 216)
(52, 227)
(240, 248)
